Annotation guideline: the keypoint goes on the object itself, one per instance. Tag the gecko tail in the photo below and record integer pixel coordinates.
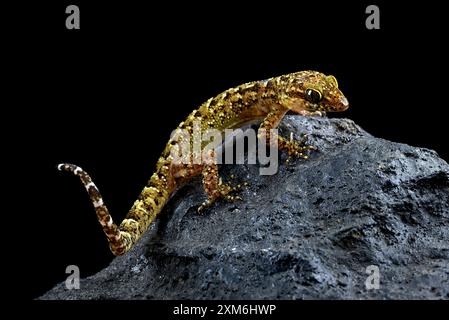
(119, 241)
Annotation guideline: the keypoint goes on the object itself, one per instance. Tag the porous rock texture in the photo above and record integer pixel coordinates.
(308, 232)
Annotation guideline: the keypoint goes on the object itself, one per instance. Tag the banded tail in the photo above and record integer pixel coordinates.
(150, 203)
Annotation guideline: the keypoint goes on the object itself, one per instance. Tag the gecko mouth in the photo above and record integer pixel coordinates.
(315, 107)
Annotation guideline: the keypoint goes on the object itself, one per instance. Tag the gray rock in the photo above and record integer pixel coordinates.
(308, 232)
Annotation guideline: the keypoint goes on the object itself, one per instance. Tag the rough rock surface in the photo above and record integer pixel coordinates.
(307, 232)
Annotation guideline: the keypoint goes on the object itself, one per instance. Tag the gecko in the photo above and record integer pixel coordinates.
(308, 93)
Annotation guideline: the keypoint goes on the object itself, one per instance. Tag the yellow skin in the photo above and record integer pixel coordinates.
(306, 93)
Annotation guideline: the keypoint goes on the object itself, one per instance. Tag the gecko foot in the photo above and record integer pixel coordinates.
(297, 148)
(225, 191)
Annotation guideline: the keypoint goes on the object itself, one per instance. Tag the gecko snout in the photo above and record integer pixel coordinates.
(343, 104)
(339, 104)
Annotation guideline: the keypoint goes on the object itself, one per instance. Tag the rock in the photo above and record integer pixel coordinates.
(308, 232)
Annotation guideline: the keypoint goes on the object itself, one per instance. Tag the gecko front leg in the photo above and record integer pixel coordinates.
(294, 148)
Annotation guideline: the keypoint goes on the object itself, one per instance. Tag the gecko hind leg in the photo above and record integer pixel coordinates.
(214, 186)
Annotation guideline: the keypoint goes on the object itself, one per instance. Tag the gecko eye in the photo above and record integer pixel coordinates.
(313, 95)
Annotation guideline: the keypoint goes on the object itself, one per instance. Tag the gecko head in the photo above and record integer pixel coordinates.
(313, 91)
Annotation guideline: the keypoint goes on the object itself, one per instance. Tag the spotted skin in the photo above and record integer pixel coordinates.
(266, 101)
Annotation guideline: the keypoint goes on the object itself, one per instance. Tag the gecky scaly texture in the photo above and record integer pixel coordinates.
(305, 93)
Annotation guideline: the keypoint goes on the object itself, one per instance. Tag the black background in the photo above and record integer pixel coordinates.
(107, 96)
